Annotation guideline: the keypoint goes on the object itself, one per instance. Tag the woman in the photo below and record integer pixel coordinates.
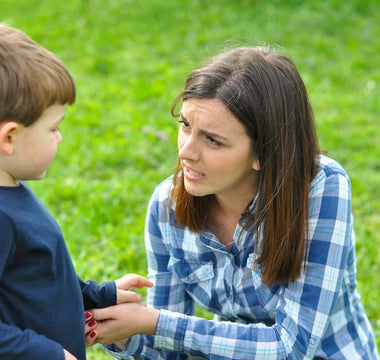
(254, 226)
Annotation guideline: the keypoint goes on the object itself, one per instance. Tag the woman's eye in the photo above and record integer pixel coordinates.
(211, 140)
(184, 124)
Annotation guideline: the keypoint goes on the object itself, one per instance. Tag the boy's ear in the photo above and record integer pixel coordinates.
(7, 132)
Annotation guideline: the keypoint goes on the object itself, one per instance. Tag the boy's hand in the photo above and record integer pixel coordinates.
(127, 282)
(69, 356)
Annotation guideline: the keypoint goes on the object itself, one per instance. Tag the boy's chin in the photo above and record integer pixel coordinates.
(40, 177)
(34, 177)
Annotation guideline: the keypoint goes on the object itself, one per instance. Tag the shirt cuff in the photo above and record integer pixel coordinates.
(170, 331)
(126, 353)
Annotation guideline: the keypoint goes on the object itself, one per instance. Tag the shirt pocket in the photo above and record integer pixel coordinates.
(190, 271)
(267, 297)
(197, 278)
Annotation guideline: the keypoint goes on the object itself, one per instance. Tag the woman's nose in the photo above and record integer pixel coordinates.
(188, 148)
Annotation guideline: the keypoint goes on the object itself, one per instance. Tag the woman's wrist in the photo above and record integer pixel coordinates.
(121, 344)
(149, 321)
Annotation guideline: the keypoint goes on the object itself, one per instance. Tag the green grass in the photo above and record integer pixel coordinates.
(129, 59)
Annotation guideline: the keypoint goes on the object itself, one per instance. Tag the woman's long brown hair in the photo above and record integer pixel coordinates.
(264, 90)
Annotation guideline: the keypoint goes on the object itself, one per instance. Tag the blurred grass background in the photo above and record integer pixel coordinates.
(129, 60)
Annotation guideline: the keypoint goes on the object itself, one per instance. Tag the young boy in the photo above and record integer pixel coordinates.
(42, 300)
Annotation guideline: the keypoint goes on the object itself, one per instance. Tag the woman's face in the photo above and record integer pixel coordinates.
(216, 152)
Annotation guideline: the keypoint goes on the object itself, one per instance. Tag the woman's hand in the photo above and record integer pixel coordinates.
(89, 331)
(115, 324)
(128, 281)
(123, 295)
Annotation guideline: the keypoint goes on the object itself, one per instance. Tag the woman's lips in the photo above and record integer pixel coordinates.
(192, 174)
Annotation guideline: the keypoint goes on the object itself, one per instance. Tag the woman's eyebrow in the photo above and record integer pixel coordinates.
(205, 131)
(182, 116)
(214, 135)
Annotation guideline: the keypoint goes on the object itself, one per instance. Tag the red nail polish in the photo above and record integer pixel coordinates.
(92, 323)
(87, 314)
(93, 334)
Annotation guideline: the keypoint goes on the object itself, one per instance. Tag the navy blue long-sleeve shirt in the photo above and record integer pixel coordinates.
(42, 300)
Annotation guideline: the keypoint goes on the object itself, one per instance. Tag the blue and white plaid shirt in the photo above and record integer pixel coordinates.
(320, 314)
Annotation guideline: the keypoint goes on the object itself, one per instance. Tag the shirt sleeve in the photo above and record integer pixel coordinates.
(16, 343)
(98, 296)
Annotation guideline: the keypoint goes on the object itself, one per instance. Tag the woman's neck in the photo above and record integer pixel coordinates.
(223, 218)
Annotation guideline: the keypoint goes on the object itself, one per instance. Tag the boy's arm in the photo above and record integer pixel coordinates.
(98, 295)
(14, 342)
(27, 344)
(112, 292)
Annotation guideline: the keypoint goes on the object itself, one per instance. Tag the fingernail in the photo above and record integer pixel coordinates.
(93, 334)
(92, 323)
(87, 314)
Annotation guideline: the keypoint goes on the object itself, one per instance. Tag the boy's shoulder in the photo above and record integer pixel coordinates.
(15, 191)
(14, 200)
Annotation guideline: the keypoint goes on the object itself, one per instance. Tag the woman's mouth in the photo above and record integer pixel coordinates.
(192, 174)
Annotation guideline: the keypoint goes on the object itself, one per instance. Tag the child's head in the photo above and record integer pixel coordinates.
(35, 88)
(31, 78)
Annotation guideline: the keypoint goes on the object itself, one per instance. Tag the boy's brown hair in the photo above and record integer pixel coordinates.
(31, 78)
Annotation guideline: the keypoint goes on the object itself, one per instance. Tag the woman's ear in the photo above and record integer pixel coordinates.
(256, 165)
(7, 133)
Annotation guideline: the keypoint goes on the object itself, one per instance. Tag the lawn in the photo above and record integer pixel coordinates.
(129, 60)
